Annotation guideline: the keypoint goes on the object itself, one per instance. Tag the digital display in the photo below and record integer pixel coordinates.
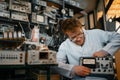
(43, 55)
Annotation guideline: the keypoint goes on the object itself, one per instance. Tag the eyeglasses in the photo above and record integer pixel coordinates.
(79, 35)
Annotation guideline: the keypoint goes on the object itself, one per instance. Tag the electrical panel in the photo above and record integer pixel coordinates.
(18, 20)
(9, 57)
(100, 66)
(35, 57)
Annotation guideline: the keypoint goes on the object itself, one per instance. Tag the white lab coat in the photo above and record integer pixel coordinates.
(95, 40)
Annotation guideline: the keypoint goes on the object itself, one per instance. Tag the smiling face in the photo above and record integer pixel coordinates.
(76, 36)
(73, 29)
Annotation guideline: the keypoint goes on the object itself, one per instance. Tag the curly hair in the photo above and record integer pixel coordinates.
(70, 24)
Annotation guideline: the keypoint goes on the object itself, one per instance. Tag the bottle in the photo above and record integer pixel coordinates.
(15, 35)
(5, 35)
(35, 34)
(19, 35)
(10, 34)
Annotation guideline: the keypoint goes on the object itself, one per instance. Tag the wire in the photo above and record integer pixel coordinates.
(23, 32)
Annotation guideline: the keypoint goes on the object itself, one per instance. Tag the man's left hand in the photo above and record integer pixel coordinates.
(100, 53)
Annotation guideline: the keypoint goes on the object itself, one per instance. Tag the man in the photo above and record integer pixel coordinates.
(83, 43)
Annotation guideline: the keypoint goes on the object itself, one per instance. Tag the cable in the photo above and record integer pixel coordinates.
(23, 32)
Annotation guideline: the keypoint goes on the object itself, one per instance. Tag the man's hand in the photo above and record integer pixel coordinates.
(81, 70)
(100, 53)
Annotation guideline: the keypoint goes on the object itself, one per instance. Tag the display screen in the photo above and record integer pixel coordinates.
(40, 18)
(88, 61)
(43, 55)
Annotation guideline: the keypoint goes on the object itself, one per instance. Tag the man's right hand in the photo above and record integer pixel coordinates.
(81, 70)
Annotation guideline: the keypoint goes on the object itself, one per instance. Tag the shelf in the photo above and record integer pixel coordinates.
(76, 9)
(39, 66)
(58, 2)
(12, 21)
(12, 40)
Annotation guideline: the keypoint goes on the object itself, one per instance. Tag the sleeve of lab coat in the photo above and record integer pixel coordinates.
(63, 67)
(111, 39)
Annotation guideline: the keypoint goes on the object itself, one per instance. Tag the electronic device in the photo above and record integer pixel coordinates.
(9, 57)
(51, 12)
(6, 28)
(73, 3)
(3, 5)
(32, 45)
(71, 12)
(39, 2)
(100, 66)
(40, 19)
(36, 57)
(21, 6)
(19, 16)
(8, 32)
(5, 14)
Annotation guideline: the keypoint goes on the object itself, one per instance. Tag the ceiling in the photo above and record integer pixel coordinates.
(87, 5)
(90, 5)
(114, 9)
